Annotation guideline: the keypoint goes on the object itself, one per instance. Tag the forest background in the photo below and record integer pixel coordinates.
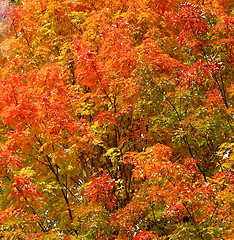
(116, 119)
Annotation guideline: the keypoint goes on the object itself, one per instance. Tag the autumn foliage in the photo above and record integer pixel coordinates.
(116, 119)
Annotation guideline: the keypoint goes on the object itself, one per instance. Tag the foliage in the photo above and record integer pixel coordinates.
(116, 119)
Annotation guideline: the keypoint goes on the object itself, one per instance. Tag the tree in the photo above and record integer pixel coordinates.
(116, 119)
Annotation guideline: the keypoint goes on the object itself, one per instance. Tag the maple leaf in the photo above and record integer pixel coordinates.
(116, 119)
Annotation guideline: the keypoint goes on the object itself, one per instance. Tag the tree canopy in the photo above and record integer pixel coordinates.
(116, 119)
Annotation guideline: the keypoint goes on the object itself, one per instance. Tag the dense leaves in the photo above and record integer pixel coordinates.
(116, 119)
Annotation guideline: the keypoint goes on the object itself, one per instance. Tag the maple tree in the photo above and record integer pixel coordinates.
(116, 119)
